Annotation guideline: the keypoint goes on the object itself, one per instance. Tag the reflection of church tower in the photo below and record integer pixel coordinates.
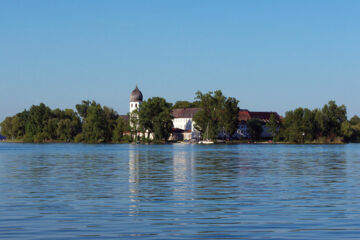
(136, 99)
(133, 181)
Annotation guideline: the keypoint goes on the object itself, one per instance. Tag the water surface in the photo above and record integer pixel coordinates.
(76, 191)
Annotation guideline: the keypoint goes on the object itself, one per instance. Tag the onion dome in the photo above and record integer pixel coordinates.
(136, 95)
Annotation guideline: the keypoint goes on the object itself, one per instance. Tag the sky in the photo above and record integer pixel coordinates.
(270, 55)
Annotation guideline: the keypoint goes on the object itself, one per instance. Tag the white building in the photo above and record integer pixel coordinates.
(136, 99)
(184, 124)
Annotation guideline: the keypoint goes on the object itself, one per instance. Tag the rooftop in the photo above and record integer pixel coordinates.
(184, 112)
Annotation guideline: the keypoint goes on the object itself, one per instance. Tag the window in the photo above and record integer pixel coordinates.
(131, 105)
(136, 105)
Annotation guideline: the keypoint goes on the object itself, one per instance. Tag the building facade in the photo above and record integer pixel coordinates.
(246, 115)
(183, 124)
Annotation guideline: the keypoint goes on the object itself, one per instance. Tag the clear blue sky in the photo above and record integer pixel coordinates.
(271, 55)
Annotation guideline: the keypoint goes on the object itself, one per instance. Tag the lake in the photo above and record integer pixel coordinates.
(78, 191)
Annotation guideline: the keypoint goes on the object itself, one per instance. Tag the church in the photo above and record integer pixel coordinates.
(183, 124)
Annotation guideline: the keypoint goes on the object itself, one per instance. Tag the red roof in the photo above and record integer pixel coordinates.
(245, 115)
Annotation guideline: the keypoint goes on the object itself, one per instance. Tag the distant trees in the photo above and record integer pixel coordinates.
(273, 125)
(328, 124)
(186, 104)
(41, 124)
(97, 124)
(120, 127)
(100, 124)
(351, 129)
(155, 118)
(217, 113)
(229, 118)
(93, 123)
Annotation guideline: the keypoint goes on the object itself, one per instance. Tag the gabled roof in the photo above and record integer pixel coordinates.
(184, 112)
(245, 115)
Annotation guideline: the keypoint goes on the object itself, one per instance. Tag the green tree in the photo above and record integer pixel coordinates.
(7, 128)
(355, 120)
(95, 126)
(208, 118)
(217, 113)
(273, 125)
(155, 117)
(186, 104)
(229, 118)
(332, 118)
(254, 128)
(351, 130)
(82, 108)
(120, 128)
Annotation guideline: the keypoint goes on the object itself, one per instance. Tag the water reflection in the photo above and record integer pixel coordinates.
(179, 191)
(183, 174)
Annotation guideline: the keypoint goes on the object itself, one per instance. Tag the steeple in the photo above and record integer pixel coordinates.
(136, 95)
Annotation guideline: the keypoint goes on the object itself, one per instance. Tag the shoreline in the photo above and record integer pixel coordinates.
(185, 143)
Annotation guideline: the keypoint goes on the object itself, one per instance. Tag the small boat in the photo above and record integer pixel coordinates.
(206, 139)
(206, 142)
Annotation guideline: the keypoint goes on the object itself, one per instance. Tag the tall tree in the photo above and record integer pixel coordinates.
(229, 118)
(155, 117)
(273, 125)
(217, 113)
(254, 128)
(95, 127)
(120, 128)
(332, 118)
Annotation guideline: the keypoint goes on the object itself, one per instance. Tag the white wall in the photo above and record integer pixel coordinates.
(183, 123)
(134, 106)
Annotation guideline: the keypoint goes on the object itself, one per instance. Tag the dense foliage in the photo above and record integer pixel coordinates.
(273, 126)
(186, 104)
(155, 118)
(41, 124)
(217, 114)
(254, 128)
(328, 124)
(91, 124)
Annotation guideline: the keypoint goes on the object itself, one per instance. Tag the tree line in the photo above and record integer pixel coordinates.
(326, 125)
(92, 123)
(152, 121)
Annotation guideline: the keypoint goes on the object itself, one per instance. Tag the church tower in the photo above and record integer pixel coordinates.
(136, 99)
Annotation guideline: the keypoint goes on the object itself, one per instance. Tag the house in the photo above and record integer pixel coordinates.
(184, 124)
(245, 115)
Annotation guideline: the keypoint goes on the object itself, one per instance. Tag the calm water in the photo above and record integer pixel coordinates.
(70, 191)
